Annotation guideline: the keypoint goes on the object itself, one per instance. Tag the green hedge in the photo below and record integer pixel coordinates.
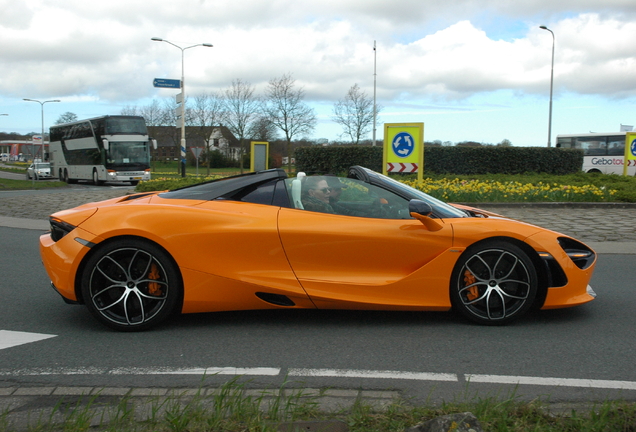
(337, 159)
(447, 160)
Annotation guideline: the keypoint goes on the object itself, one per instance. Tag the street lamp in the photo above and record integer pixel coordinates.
(183, 99)
(374, 91)
(551, 84)
(42, 106)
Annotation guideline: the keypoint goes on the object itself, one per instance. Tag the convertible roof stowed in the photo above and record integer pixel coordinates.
(218, 188)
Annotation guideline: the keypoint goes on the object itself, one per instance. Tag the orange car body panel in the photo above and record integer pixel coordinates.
(226, 251)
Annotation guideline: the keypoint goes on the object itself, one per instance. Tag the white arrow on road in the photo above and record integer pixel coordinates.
(10, 338)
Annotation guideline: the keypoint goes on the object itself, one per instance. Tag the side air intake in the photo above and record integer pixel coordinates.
(275, 299)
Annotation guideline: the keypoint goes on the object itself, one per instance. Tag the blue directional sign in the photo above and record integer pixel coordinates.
(166, 83)
(403, 144)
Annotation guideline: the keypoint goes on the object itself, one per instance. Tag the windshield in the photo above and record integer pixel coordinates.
(128, 152)
(42, 165)
(440, 208)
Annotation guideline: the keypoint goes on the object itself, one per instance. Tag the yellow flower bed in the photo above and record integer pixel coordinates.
(456, 190)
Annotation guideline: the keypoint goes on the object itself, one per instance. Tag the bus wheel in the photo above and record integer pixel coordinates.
(96, 179)
(65, 177)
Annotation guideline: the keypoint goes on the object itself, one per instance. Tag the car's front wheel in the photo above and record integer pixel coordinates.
(131, 285)
(493, 283)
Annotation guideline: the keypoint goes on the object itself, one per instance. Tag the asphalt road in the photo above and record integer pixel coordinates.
(579, 354)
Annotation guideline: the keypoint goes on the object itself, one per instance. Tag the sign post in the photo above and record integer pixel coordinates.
(404, 149)
(196, 152)
(630, 150)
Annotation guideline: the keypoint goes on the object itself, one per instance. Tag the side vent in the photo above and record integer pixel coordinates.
(275, 299)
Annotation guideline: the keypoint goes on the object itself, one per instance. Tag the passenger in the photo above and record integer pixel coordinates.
(336, 187)
(316, 195)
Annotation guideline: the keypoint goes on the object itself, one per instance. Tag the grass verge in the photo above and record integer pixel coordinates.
(234, 408)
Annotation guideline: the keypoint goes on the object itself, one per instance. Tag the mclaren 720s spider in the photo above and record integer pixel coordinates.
(264, 241)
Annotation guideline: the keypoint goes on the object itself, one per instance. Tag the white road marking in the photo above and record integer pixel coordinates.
(260, 371)
(336, 373)
(199, 371)
(556, 382)
(10, 338)
(348, 373)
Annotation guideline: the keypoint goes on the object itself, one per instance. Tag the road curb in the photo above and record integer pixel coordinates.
(554, 205)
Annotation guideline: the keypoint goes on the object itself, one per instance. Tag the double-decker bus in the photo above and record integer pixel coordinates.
(101, 149)
(603, 152)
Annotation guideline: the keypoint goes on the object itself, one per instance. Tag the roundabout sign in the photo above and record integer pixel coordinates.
(403, 145)
(404, 148)
(630, 150)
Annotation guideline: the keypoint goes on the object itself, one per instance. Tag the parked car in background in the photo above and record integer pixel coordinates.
(39, 170)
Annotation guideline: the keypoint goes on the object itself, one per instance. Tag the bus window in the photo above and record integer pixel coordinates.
(592, 146)
(616, 146)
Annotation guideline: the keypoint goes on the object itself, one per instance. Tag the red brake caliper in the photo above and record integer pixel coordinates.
(473, 291)
(153, 287)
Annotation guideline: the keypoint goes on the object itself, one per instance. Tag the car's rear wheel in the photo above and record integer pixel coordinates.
(131, 285)
(493, 283)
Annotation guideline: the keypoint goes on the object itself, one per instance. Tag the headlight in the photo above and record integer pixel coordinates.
(581, 255)
(59, 228)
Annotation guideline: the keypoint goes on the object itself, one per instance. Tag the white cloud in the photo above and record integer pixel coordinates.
(430, 54)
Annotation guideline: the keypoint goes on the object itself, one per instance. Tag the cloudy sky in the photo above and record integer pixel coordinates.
(470, 70)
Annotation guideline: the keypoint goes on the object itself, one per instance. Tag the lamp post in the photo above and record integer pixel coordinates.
(1, 116)
(374, 91)
(551, 84)
(183, 98)
(42, 107)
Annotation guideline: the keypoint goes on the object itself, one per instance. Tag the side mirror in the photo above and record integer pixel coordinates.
(105, 143)
(420, 207)
(421, 211)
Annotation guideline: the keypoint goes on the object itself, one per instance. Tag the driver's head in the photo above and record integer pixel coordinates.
(317, 187)
(336, 186)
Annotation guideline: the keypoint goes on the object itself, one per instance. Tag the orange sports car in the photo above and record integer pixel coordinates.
(263, 240)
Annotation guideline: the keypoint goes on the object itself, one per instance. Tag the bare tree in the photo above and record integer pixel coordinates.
(204, 117)
(355, 114)
(129, 110)
(286, 110)
(242, 109)
(152, 113)
(169, 118)
(67, 117)
(262, 129)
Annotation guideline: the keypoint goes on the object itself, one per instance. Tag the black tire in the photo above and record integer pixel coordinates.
(131, 285)
(493, 283)
(65, 179)
(96, 179)
(134, 182)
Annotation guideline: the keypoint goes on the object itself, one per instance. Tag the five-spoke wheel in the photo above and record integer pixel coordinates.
(130, 285)
(493, 283)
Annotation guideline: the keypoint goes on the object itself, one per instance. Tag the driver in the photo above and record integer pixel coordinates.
(316, 196)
